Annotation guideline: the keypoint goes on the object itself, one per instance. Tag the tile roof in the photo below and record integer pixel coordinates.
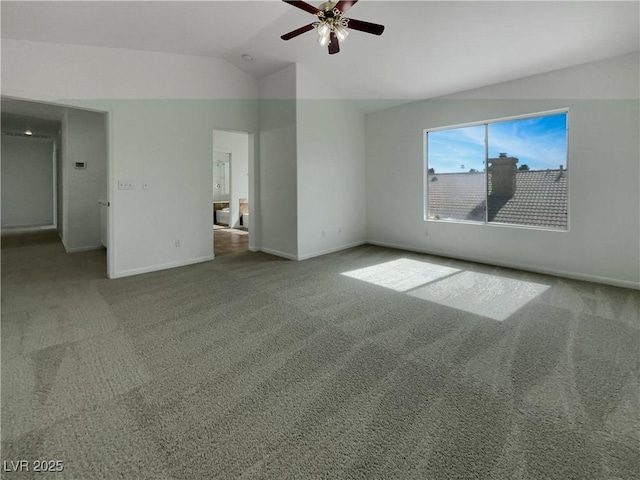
(540, 198)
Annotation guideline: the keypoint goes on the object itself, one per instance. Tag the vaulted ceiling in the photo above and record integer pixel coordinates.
(428, 48)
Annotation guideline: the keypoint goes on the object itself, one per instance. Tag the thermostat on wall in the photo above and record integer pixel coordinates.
(80, 165)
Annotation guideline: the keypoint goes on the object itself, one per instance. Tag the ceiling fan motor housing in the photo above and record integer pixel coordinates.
(327, 7)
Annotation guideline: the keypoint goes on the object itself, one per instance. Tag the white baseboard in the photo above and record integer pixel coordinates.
(330, 250)
(546, 271)
(164, 266)
(84, 249)
(19, 229)
(278, 253)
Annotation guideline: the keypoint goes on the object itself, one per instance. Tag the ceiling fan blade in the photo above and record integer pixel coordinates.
(303, 6)
(334, 45)
(368, 27)
(295, 33)
(344, 5)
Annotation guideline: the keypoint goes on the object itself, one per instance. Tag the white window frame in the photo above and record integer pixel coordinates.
(486, 222)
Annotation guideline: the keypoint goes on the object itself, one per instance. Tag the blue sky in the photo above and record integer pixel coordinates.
(540, 142)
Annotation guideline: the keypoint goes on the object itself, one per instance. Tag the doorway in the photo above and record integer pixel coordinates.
(230, 192)
(76, 174)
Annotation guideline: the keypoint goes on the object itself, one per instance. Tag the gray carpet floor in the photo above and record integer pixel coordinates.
(408, 366)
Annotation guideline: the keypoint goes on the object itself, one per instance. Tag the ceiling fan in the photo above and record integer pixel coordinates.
(332, 27)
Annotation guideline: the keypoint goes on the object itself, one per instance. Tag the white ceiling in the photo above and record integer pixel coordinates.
(428, 48)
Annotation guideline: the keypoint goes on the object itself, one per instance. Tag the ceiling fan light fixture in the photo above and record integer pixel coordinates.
(324, 40)
(324, 29)
(341, 33)
(324, 33)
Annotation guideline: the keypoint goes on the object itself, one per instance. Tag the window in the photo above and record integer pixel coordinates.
(511, 171)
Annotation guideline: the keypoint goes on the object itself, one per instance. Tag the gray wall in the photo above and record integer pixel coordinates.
(331, 168)
(603, 243)
(278, 170)
(27, 182)
(59, 186)
(84, 140)
(161, 115)
(168, 144)
(331, 176)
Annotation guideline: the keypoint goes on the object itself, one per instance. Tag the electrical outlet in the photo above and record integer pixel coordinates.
(178, 244)
(125, 185)
(340, 231)
(145, 185)
(323, 234)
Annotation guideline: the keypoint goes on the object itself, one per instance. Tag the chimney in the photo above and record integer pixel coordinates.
(503, 176)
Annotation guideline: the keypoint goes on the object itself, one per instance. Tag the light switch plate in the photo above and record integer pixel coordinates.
(125, 185)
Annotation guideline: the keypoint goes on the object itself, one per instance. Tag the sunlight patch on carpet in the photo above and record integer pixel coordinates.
(482, 294)
(402, 274)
